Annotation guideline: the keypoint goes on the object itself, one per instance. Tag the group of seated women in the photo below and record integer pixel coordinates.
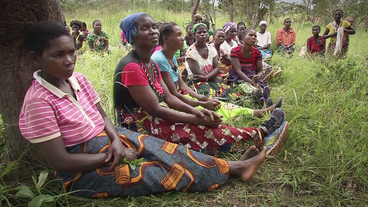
(171, 131)
(97, 40)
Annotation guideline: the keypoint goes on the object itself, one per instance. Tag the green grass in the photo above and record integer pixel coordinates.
(324, 162)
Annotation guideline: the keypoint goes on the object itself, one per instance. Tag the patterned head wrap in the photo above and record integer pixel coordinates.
(198, 24)
(263, 22)
(228, 25)
(128, 26)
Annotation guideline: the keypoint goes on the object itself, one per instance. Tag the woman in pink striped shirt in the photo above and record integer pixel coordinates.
(63, 117)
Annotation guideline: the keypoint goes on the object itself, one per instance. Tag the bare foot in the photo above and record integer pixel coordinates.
(250, 166)
(251, 152)
(246, 169)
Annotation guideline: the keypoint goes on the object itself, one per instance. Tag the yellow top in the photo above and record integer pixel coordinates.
(344, 24)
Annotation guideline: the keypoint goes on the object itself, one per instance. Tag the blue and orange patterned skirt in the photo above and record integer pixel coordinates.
(165, 167)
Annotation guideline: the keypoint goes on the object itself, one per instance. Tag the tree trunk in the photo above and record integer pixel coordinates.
(16, 70)
(231, 8)
(194, 7)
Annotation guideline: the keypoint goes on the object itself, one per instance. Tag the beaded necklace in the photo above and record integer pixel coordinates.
(161, 97)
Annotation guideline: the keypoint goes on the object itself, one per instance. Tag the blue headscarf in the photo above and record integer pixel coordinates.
(128, 26)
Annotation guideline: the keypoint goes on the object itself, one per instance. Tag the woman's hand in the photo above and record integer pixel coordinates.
(201, 78)
(198, 113)
(210, 121)
(255, 80)
(119, 152)
(213, 115)
(131, 154)
(211, 104)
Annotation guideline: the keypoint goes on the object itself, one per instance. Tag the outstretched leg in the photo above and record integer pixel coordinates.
(246, 169)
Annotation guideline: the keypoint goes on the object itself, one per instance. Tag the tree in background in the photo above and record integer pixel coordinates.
(320, 11)
(250, 11)
(16, 70)
(194, 4)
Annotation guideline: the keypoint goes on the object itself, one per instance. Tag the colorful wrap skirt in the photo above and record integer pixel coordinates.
(213, 89)
(200, 138)
(165, 167)
(248, 70)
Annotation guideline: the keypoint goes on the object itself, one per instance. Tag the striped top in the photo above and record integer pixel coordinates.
(48, 113)
(237, 53)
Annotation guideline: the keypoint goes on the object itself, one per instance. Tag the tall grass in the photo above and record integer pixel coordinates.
(324, 162)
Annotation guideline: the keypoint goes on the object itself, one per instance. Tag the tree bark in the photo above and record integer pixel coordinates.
(194, 4)
(15, 67)
(231, 8)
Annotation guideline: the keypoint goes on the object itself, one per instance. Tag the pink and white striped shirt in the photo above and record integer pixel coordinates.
(48, 112)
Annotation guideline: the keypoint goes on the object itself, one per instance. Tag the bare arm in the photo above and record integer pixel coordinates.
(216, 69)
(350, 30)
(150, 104)
(309, 50)
(193, 65)
(259, 68)
(90, 44)
(106, 45)
(326, 35)
(109, 127)
(60, 160)
(172, 88)
(225, 59)
(183, 86)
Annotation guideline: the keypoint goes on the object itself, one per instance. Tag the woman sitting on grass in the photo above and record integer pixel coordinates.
(189, 38)
(63, 117)
(230, 30)
(240, 30)
(247, 72)
(203, 63)
(316, 45)
(171, 39)
(98, 40)
(222, 56)
(286, 38)
(338, 30)
(264, 40)
(77, 36)
(140, 98)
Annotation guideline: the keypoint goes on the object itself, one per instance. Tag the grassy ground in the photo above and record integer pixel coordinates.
(324, 162)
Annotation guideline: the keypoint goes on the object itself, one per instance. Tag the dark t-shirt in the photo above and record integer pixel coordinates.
(130, 72)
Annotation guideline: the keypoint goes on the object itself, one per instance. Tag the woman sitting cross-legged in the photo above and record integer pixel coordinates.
(316, 45)
(286, 38)
(222, 56)
(203, 63)
(62, 116)
(140, 97)
(247, 72)
(171, 40)
(98, 40)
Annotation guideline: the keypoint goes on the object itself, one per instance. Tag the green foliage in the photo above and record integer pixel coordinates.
(132, 164)
(324, 162)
